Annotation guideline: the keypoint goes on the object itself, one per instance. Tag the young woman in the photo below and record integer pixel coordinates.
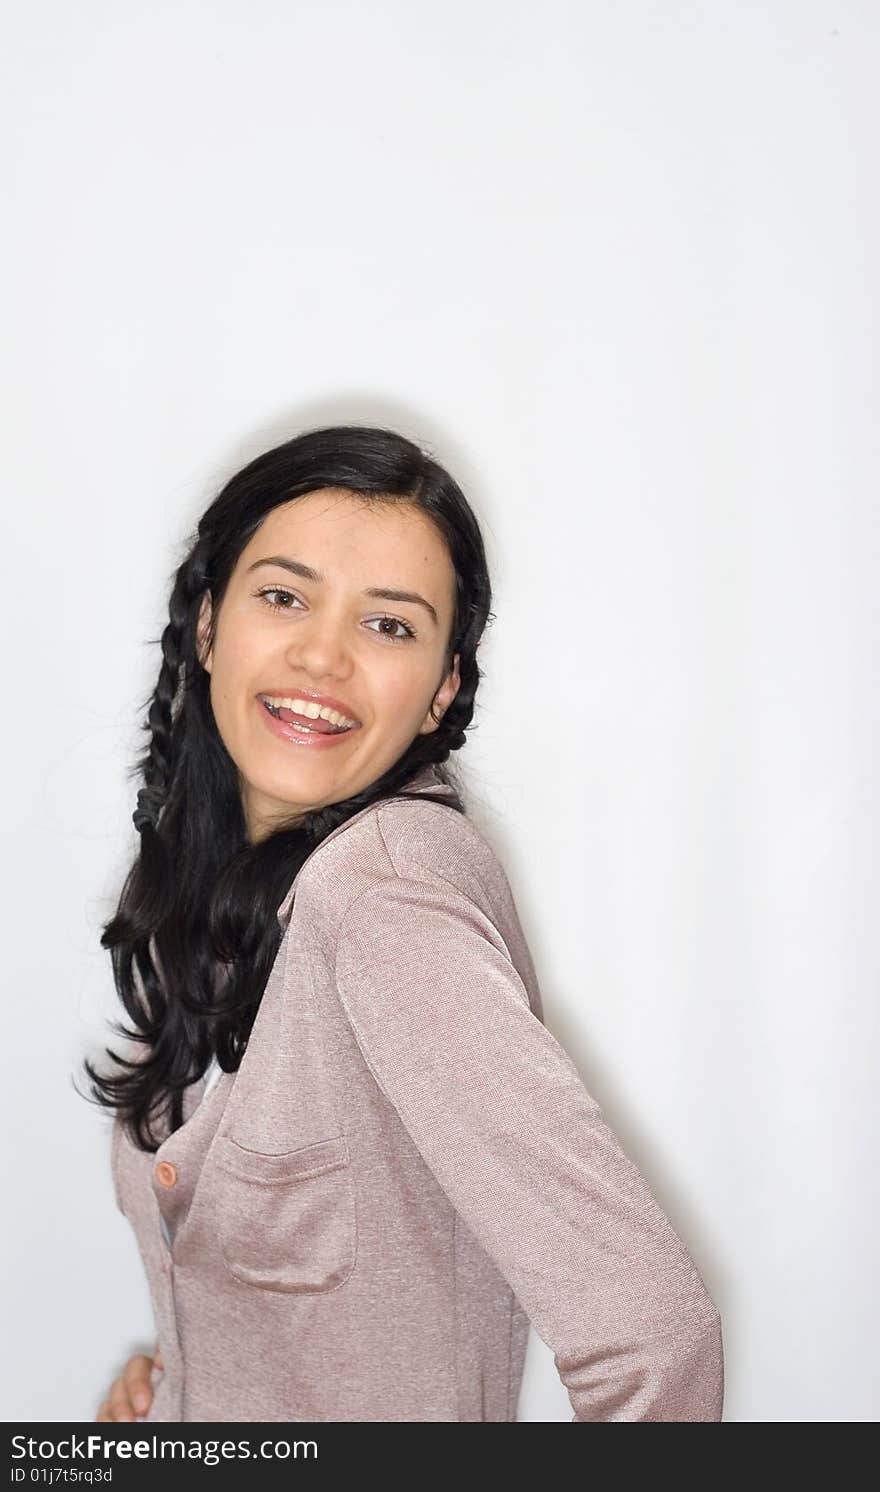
(356, 1162)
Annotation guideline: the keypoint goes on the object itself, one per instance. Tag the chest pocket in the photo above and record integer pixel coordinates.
(287, 1222)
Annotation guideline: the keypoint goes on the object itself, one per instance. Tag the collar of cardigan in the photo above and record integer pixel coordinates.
(425, 778)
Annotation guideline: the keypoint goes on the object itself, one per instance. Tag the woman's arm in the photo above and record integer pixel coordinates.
(499, 1113)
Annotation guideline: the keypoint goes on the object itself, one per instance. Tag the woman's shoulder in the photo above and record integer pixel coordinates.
(417, 865)
(417, 839)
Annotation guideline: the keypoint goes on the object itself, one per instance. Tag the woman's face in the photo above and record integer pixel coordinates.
(285, 636)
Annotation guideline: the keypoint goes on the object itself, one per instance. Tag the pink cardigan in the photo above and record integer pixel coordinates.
(405, 1170)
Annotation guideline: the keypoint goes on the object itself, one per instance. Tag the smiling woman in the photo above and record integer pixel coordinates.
(397, 1166)
(277, 601)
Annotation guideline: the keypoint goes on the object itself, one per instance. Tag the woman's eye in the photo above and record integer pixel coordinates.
(406, 635)
(408, 631)
(276, 590)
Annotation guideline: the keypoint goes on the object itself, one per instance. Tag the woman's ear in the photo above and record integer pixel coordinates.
(202, 628)
(443, 698)
(450, 686)
(456, 678)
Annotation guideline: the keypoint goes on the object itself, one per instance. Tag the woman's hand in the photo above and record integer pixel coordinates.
(131, 1394)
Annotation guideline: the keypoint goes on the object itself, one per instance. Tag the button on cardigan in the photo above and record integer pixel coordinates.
(404, 1171)
(210, 1078)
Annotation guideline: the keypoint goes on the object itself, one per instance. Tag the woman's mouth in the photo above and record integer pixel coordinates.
(303, 730)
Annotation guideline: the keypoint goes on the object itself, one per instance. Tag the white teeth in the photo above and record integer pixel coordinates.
(309, 708)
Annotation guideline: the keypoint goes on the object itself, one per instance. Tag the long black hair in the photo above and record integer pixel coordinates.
(200, 896)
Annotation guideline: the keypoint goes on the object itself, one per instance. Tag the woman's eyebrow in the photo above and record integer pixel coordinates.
(305, 572)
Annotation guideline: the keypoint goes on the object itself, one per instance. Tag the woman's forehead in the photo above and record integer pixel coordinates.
(338, 535)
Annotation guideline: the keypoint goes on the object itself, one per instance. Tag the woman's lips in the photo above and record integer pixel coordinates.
(301, 735)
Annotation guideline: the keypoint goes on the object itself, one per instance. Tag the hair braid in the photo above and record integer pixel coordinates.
(158, 764)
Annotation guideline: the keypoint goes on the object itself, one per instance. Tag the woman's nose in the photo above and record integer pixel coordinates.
(321, 647)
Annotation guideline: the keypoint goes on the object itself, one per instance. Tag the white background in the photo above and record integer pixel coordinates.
(615, 264)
